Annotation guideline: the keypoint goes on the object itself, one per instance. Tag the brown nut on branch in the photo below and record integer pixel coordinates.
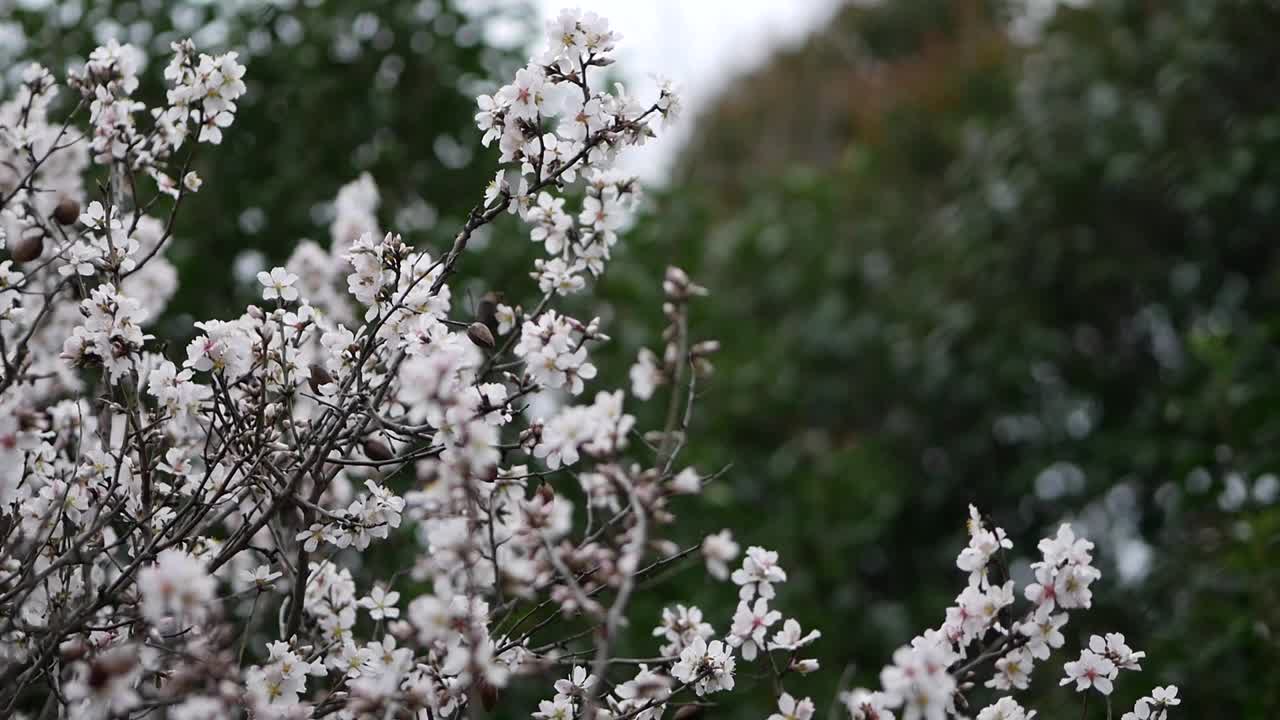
(67, 211)
(480, 335)
(27, 248)
(377, 451)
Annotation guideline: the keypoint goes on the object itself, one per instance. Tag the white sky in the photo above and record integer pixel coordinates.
(703, 45)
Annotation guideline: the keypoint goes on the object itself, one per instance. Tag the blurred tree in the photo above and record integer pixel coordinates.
(948, 269)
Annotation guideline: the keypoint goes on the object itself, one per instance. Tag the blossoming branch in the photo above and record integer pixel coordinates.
(191, 533)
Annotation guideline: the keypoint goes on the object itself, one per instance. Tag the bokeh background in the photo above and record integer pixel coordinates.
(961, 251)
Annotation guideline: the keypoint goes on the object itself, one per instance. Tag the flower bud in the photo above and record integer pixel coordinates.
(804, 667)
(376, 450)
(67, 211)
(27, 248)
(703, 367)
(480, 335)
(686, 482)
(666, 548)
(706, 347)
(689, 712)
(401, 630)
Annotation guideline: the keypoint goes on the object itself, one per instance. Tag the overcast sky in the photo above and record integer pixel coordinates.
(701, 44)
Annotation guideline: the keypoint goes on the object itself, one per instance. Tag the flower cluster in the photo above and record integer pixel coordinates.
(177, 585)
(1099, 665)
(931, 677)
(548, 121)
(554, 350)
(201, 96)
(1154, 707)
(111, 336)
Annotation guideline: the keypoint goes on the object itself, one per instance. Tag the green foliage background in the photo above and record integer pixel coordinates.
(951, 269)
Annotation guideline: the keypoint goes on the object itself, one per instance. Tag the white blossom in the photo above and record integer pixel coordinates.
(790, 708)
(720, 550)
(758, 573)
(707, 666)
(278, 284)
(1091, 670)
